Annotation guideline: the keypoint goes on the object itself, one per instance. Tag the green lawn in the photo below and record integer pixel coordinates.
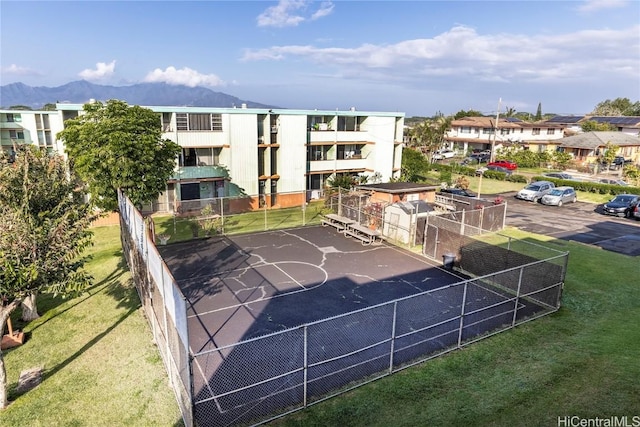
(102, 369)
(100, 366)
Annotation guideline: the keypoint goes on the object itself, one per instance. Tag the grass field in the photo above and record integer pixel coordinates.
(100, 366)
(102, 369)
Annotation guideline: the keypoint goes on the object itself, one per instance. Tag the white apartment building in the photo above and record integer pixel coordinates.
(469, 133)
(18, 127)
(279, 157)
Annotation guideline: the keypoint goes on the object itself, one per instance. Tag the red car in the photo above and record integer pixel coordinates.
(504, 164)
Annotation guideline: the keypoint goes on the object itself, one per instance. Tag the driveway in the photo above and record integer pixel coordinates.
(581, 222)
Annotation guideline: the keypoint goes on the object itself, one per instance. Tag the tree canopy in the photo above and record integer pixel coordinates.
(45, 230)
(617, 107)
(116, 146)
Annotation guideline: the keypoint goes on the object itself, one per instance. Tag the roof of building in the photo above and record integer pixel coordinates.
(399, 187)
(593, 140)
(219, 110)
(484, 122)
(415, 207)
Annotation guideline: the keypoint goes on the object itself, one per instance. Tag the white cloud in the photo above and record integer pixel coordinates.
(101, 72)
(290, 13)
(595, 5)
(16, 70)
(185, 76)
(325, 9)
(461, 51)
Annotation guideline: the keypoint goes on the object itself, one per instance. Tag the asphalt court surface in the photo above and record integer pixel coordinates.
(245, 286)
(580, 222)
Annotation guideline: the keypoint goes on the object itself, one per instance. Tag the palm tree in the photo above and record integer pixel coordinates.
(429, 135)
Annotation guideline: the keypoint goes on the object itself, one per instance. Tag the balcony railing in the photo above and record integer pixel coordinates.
(197, 172)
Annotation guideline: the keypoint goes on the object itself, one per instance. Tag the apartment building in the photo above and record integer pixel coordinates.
(279, 158)
(479, 133)
(19, 127)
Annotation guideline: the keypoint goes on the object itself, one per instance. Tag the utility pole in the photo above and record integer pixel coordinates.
(495, 132)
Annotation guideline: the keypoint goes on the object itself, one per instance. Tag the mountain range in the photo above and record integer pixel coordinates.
(151, 94)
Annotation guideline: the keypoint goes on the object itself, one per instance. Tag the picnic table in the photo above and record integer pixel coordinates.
(366, 235)
(337, 221)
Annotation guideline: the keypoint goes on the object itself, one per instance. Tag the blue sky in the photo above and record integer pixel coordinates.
(417, 57)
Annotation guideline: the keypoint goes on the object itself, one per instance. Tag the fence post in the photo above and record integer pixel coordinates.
(305, 367)
(515, 307)
(393, 336)
(481, 218)
(464, 303)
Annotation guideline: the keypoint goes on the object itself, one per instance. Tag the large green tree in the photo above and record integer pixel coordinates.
(116, 146)
(617, 107)
(45, 228)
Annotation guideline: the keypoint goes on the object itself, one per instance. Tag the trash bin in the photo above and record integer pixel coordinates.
(448, 259)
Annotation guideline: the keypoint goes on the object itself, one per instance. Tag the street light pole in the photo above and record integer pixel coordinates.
(495, 132)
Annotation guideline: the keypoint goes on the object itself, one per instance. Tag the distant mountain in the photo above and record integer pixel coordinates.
(151, 94)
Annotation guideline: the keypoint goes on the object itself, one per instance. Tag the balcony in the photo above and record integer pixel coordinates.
(337, 165)
(199, 172)
(338, 136)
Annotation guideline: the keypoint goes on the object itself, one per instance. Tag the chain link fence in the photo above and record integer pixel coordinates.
(162, 301)
(258, 380)
(252, 382)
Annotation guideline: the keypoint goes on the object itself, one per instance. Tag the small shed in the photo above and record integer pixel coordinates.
(400, 219)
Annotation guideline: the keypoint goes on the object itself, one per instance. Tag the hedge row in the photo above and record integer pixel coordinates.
(468, 171)
(590, 187)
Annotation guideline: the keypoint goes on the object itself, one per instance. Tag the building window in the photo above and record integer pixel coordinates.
(216, 122)
(487, 131)
(16, 134)
(465, 129)
(550, 131)
(535, 131)
(13, 117)
(200, 156)
(199, 122)
(505, 131)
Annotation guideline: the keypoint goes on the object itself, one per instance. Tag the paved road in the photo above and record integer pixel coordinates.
(579, 221)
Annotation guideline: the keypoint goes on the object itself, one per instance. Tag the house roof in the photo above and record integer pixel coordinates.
(593, 140)
(484, 122)
(399, 187)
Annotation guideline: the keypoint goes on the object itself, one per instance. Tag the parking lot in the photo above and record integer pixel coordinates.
(581, 222)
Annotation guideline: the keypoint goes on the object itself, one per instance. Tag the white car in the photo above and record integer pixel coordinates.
(443, 154)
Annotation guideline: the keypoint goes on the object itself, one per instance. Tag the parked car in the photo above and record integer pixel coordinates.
(559, 175)
(621, 205)
(504, 164)
(483, 169)
(613, 182)
(534, 191)
(443, 154)
(480, 157)
(559, 196)
(636, 211)
(458, 192)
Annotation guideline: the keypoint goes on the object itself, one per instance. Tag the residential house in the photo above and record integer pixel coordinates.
(625, 124)
(481, 133)
(589, 146)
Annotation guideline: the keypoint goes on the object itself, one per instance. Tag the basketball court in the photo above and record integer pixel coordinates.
(241, 287)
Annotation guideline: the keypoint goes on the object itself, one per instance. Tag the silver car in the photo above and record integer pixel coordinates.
(535, 190)
(560, 195)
